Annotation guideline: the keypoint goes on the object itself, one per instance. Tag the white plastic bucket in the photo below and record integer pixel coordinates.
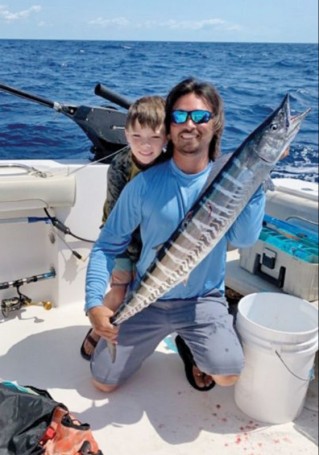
(279, 334)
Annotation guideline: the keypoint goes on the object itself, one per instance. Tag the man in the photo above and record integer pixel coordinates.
(157, 200)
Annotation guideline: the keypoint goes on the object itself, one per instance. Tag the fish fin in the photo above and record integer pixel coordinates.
(268, 184)
(217, 166)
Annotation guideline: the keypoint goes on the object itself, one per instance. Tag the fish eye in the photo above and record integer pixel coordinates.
(274, 126)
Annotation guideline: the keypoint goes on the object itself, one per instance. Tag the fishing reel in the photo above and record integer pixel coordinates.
(16, 303)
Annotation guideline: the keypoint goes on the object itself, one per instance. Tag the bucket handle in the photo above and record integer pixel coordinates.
(311, 375)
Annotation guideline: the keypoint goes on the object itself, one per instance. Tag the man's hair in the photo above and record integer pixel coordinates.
(148, 111)
(209, 93)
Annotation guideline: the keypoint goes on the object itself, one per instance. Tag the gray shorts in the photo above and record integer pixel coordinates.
(204, 324)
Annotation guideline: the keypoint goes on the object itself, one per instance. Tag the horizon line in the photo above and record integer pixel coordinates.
(158, 41)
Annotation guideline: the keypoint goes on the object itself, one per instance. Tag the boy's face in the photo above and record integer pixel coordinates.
(146, 144)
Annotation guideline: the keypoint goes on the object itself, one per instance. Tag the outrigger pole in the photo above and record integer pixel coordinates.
(104, 126)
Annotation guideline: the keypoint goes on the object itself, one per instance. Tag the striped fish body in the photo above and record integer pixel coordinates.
(215, 211)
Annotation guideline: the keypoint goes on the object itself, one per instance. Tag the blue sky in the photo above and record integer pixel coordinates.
(164, 20)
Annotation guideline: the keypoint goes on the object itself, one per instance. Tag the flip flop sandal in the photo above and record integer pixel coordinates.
(93, 343)
(189, 363)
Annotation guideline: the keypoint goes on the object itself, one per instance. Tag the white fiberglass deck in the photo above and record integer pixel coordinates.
(156, 412)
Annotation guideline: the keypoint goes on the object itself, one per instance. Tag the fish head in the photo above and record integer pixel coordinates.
(274, 135)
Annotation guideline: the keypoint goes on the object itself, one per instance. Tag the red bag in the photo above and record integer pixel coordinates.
(68, 436)
(32, 423)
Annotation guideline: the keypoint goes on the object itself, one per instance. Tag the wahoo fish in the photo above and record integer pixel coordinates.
(215, 211)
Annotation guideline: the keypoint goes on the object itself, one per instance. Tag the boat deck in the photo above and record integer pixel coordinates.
(156, 412)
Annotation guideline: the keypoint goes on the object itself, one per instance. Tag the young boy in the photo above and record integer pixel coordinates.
(145, 134)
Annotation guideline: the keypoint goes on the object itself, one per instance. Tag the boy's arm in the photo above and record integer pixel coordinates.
(113, 240)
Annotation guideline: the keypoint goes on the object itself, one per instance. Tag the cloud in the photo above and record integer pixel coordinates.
(8, 16)
(171, 24)
(192, 25)
(117, 22)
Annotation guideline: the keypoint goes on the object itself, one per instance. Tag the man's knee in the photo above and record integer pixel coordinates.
(225, 381)
(108, 388)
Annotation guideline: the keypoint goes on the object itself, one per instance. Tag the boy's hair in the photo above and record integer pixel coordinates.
(209, 93)
(148, 111)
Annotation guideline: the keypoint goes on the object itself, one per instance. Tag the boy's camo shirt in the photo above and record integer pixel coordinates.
(121, 170)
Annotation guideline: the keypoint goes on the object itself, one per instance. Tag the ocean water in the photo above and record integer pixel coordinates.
(252, 78)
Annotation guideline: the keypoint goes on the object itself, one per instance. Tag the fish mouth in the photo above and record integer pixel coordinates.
(295, 122)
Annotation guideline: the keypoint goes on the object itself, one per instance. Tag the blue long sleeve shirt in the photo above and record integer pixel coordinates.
(157, 200)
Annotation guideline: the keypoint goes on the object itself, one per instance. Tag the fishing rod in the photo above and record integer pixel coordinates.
(15, 303)
(27, 280)
(29, 96)
(104, 126)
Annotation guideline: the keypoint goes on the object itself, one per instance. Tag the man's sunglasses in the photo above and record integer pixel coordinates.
(198, 116)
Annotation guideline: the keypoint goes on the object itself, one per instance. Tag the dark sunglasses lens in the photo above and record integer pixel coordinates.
(200, 116)
(179, 116)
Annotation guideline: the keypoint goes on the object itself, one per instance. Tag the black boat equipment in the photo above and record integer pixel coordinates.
(104, 126)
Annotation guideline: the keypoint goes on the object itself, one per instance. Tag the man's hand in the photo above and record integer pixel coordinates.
(100, 319)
